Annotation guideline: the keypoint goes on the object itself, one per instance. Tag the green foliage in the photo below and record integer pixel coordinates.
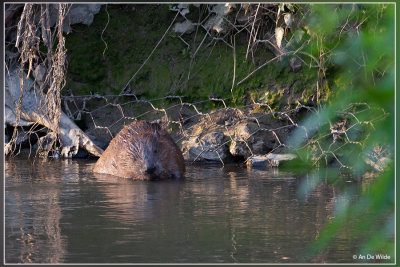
(131, 34)
(357, 41)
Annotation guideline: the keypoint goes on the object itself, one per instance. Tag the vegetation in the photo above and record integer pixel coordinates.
(105, 67)
(346, 54)
(357, 41)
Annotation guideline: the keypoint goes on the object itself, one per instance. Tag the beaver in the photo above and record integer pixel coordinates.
(142, 151)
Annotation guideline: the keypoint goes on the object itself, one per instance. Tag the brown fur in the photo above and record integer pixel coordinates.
(142, 151)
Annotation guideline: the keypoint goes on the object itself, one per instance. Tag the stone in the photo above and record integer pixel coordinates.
(295, 64)
(222, 9)
(243, 19)
(182, 8)
(271, 160)
(210, 147)
(235, 134)
(217, 22)
(79, 13)
(238, 147)
(248, 139)
(185, 27)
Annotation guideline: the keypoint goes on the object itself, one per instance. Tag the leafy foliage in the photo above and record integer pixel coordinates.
(357, 41)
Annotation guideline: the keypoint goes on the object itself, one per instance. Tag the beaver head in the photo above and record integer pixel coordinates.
(142, 151)
(146, 149)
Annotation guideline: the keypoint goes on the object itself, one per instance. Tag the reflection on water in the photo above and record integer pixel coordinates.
(60, 211)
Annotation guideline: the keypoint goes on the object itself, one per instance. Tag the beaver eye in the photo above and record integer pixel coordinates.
(155, 150)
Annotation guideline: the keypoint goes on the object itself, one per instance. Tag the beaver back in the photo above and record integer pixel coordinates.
(143, 151)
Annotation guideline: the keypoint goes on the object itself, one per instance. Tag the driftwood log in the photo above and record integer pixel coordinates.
(32, 112)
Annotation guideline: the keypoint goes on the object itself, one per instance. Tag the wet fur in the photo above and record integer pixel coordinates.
(137, 148)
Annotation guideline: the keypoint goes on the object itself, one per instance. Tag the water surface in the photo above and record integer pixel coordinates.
(59, 211)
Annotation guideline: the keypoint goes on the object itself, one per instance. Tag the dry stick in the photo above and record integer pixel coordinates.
(254, 39)
(108, 21)
(234, 66)
(23, 15)
(263, 65)
(201, 43)
(251, 32)
(154, 49)
(315, 59)
(271, 60)
(194, 43)
(10, 147)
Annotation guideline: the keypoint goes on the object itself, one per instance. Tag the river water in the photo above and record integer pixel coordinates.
(60, 212)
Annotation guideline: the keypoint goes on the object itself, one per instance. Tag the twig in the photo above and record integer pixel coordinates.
(262, 66)
(154, 49)
(251, 32)
(108, 21)
(234, 66)
(201, 43)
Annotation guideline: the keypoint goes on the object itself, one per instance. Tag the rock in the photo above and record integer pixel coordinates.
(79, 13)
(378, 158)
(214, 23)
(46, 142)
(272, 160)
(210, 147)
(295, 64)
(218, 21)
(103, 145)
(182, 8)
(219, 25)
(249, 139)
(83, 13)
(238, 147)
(243, 19)
(222, 9)
(185, 27)
(234, 133)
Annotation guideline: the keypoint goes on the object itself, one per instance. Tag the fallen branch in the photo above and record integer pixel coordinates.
(71, 136)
